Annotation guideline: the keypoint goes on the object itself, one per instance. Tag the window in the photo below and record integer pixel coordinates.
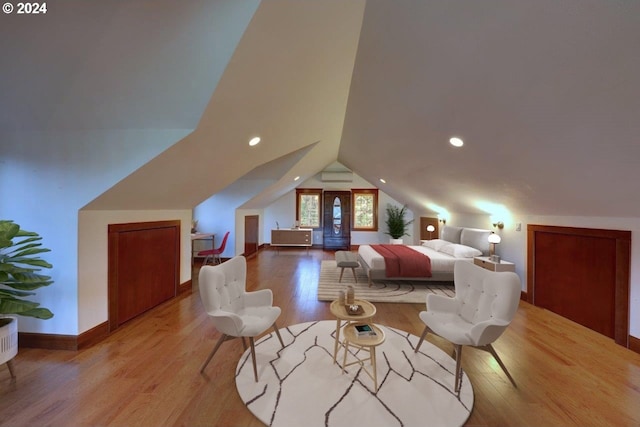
(309, 207)
(365, 209)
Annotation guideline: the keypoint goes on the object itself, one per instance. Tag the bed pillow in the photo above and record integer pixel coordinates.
(435, 244)
(451, 234)
(476, 238)
(460, 251)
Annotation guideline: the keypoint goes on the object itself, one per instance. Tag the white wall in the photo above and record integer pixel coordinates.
(283, 211)
(240, 215)
(93, 251)
(514, 248)
(45, 180)
(218, 213)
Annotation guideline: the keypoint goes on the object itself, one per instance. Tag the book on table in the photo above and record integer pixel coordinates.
(365, 331)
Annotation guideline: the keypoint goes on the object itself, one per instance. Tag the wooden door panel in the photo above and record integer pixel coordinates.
(337, 237)
(251, 225)
(582, 274)
(143, 267)
(575, 277)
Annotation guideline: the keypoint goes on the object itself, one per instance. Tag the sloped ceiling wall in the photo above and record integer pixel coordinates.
(545, 94)
(287, 82)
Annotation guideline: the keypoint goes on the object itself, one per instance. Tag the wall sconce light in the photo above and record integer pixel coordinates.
(499, 224)
(442, 220)
(494, 239)
(430, 229)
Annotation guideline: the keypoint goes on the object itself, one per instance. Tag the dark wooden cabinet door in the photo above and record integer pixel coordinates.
(144, 267)
(251, 226)
(337, 220)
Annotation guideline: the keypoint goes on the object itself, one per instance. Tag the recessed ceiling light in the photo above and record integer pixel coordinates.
(383, 181)
(456, 142)
(254, 141)
(296, 178)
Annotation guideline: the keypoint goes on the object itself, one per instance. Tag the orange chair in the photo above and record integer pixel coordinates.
(214, 253)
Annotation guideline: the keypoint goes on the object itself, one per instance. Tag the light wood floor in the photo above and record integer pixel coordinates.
(147, 372)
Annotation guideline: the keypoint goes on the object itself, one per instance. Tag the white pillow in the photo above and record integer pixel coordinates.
(435, 244)
(460, 251)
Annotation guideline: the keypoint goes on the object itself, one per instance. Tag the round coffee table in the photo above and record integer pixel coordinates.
(341, 314)
(367, 343)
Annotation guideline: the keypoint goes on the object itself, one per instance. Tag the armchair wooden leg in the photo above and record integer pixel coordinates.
(491, 350)
(275, 328)
(341, 273)
(222, 339)
(253, 358)
(353, 270)
(458, 349)
(12, 371)
(422, 337)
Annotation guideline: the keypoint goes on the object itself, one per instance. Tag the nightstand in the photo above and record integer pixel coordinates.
(485, 262)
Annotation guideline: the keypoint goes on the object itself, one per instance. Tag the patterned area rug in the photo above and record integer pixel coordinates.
(391, 291)
(301, 386)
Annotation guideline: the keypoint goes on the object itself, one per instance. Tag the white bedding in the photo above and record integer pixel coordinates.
(454, 244)
(439, 261)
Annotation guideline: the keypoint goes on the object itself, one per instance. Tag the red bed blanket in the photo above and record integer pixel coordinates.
(402, 261)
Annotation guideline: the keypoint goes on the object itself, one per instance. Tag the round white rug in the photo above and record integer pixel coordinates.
(301, 386)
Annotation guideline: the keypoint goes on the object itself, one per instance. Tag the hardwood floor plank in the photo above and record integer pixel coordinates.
(147, 372)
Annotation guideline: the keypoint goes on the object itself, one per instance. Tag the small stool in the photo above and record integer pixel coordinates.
(363, 343)
(346, 259)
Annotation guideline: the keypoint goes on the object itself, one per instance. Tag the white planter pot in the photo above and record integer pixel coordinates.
(9, 340)
(395, 241)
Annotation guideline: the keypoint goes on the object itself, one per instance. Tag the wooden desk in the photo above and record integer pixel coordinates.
(199, 242)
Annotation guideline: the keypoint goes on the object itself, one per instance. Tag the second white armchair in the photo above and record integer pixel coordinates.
(483, 307)
(235, 312)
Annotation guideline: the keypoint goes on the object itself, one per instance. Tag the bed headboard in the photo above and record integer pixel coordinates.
(474, 237)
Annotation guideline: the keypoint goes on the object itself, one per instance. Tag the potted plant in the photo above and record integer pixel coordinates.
(397, 225)
(19, 277)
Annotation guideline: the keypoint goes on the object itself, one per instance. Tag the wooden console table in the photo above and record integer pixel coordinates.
(292, 237)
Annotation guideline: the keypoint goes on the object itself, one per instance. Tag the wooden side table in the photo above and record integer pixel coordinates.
(367, 344)
(340, 312)
(486, 263)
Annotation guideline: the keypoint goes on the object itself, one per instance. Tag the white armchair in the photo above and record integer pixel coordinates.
(483, 307)
(236, 313)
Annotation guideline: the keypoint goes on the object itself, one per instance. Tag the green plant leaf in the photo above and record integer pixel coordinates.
(29, 261)
(18, 267)
(28, 281)
(25, 247)
(16, 306)
(39, 313)
(10, 293)
(8, 230)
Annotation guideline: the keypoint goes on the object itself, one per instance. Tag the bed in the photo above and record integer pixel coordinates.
(454, 244)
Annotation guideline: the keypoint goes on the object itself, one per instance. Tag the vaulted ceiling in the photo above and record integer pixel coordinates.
(545, 94)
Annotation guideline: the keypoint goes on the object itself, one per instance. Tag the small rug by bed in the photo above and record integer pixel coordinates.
(301, 386)
(403, 291)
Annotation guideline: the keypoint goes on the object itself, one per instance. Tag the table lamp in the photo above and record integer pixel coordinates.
(494, 239)
(430, 229)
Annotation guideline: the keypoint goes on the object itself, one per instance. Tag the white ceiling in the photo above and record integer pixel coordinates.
(546, 95)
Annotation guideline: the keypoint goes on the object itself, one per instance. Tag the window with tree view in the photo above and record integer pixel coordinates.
(308, 207)
(365, 209)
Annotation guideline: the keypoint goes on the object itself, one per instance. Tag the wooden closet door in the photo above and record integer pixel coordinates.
(582, 274)
(143, 267)
(337, 220)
